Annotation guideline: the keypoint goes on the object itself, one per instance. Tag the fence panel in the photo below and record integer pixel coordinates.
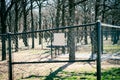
(37, 55)
(4, 64)
(27, 52)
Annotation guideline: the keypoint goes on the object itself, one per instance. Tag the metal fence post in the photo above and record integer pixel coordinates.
(51, 45)
(99, 50)
(10, 56)
(33, 41)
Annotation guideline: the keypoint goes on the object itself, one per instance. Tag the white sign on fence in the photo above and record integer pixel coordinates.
(59, 39)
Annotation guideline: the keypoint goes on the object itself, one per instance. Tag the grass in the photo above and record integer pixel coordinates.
(109, 74)
(111, 48)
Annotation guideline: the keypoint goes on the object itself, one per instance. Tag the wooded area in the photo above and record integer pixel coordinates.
(30, 15)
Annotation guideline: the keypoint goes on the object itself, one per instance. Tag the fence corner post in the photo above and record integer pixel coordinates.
(98, 50)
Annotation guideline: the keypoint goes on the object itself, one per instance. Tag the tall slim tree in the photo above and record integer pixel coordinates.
(85, 9)
(58, 14)
(39, 3)
(25, 40)
(3, 15)
(63, 12)
(16, 25)
(40, 35)
(63, 20)
(32, 23)
(3, 24)
(71, 32)
(94, 33)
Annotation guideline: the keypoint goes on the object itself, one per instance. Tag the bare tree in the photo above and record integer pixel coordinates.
(4, 10)
(16, 26)
(32, 23)
(25, 40)
(58, 14)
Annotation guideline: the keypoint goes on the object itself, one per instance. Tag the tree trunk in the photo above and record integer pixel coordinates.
(32, 24)
(58, 14)
(58, 19)
(25, 40)
(85, 40)
(3, 15)
(94, 32)
(63, 20)
(71, 35)
(115, 34)
(3, 24)
(63, 12)
(85, 21)
(16, 26)
(40, 34)
(103, 20)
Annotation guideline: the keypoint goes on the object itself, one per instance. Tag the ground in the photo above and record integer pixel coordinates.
(44, 69)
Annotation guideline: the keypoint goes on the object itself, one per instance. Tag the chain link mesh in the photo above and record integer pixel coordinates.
(38, 47)
(78, 40)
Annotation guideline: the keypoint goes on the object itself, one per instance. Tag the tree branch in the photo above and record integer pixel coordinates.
(8, 9)
(77, 3)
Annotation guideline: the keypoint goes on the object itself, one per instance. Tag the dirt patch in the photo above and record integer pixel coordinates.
(3, 70)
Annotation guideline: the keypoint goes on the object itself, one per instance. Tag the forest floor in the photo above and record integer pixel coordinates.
(21, 71)
(44, 69)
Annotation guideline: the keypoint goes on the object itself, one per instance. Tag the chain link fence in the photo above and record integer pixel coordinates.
(3, 64)
(111, 43)
(111, 51)
(51, 53)
(46, 54)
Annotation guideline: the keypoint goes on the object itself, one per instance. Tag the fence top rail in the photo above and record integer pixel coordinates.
(52, 29)
(3, 34)
(109, 25)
